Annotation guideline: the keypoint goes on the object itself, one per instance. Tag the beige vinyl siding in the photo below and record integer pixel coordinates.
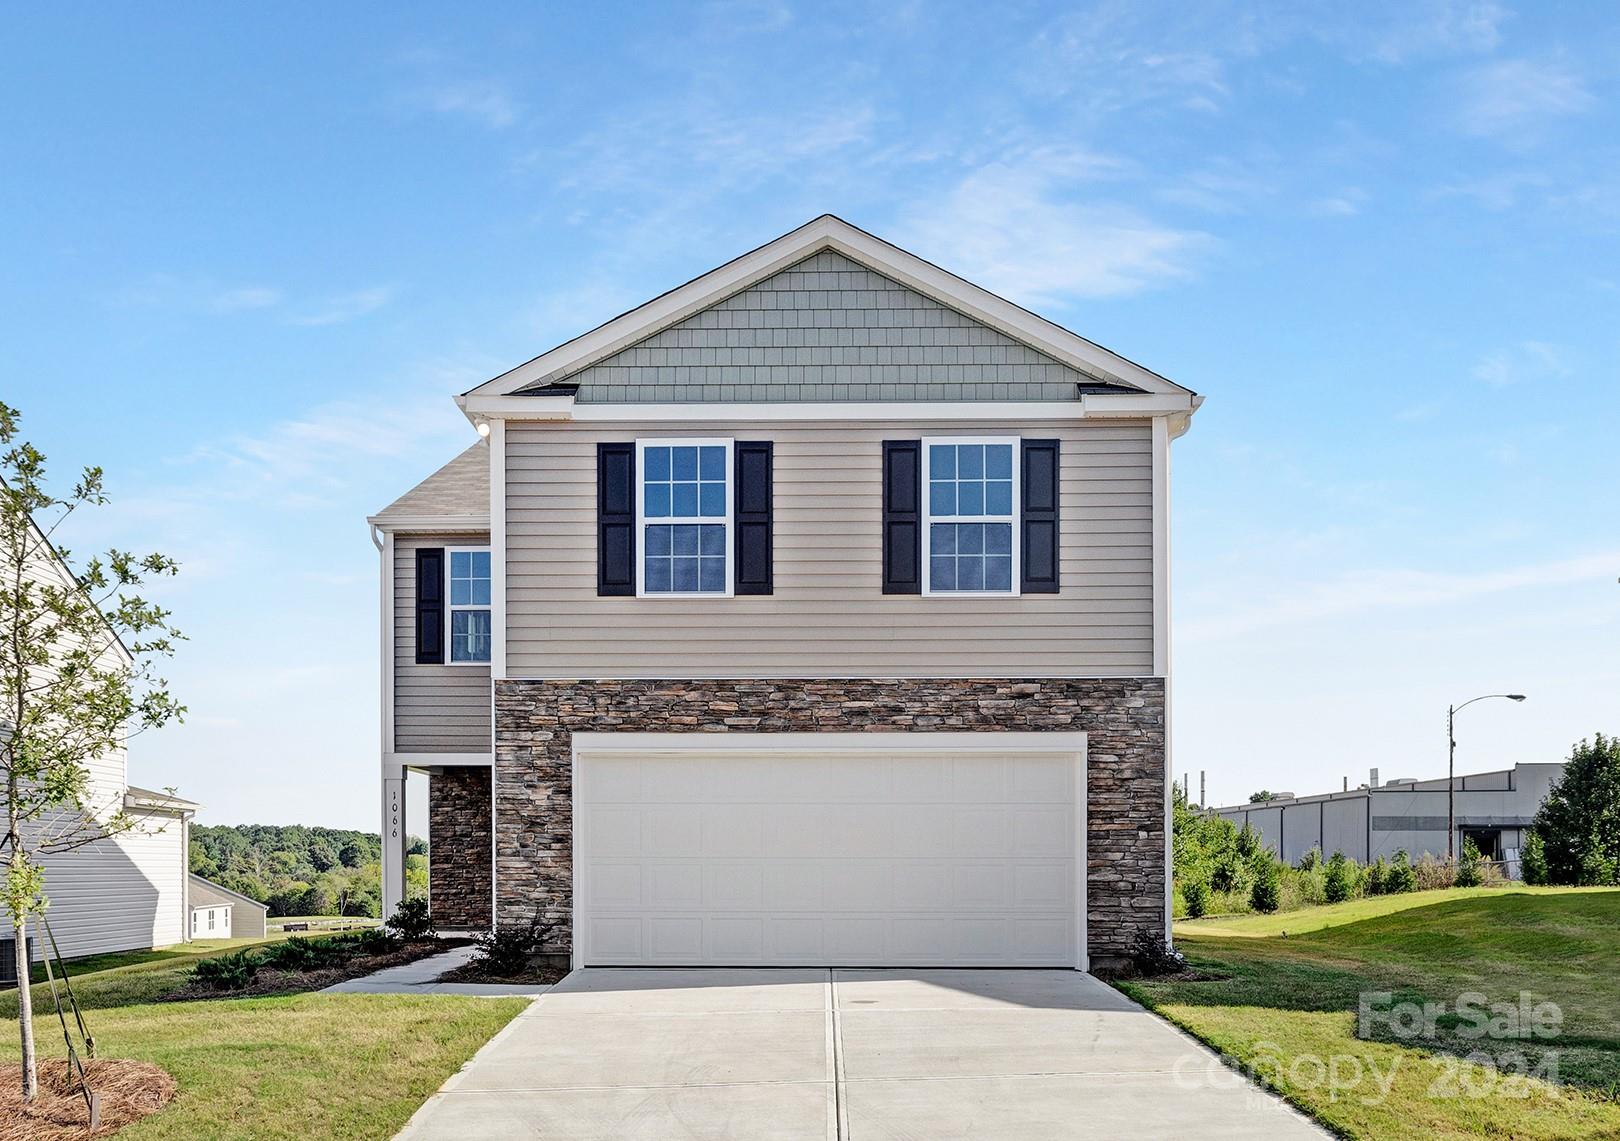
(437, 709)
(828, 616)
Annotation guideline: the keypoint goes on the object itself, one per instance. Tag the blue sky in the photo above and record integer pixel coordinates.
(247, 256)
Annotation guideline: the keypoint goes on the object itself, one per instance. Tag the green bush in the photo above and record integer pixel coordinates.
(227, 972)
(1533, 859)
(376, 941)
(1248, 842)
(1431, 874)
(1579, 822)
(1309, 861)
(1196, 897)
(1401, 877)
(1468, 866)
(1377, 878)
(297, 954)
(1338, 882)
(1266, 894)
(412, 921)
(1227, 874)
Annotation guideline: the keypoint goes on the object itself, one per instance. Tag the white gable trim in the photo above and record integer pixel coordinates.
(1134, 407)
(828, 232)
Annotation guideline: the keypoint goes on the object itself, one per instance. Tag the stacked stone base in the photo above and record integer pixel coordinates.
(459, 888)
(1126, 786)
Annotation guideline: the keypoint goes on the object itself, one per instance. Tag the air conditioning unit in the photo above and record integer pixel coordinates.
(8, 959)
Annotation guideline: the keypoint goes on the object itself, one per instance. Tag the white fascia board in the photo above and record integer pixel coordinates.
(431, 524)
(828, 232)
(1088, 408)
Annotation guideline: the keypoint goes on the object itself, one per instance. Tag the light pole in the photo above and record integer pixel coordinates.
(1451, 768)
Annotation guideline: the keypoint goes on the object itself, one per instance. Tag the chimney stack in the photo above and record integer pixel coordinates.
(1372, 778)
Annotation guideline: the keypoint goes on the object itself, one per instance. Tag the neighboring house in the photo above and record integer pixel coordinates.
(824, 619)
(1492, 809)
(220, 913)
(122, 892)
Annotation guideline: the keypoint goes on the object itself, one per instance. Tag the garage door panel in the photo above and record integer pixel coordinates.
(883, 858)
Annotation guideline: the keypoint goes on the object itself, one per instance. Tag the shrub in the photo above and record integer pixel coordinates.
(1579, 822)
(412, 921)
(1377, 879)
(1227, 874)
(1153, 955)
(1266, 894)
(506, 951)
(227, 972)
(1309, 861)
(297, 954)
(1468, 866)
(1196, 897)
(1400, 877)
(1248, 842)
(1431, 874)
(1533, 859)
(376, 941)
(1338, 882)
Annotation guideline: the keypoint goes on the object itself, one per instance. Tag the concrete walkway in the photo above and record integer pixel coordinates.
(815, 1055)
(421, 977)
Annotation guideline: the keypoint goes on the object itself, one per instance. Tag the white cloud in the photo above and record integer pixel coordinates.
(1368, 591)
(1509, 96)
(245, 297)
(981, 229)
(483, 101)
(1345, 204)
(345, 306)
(1527, 360)
(1436, 27)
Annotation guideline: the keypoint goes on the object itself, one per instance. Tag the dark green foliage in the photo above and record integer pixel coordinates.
(1468, 874)
(1338, 880)
(412, 921)
(1196, 895)
(227, 972)
(1228, 874)
(376, 941)
(1401, 877)
(1153, 955)
(1533, 859)
(1266, 894)
(1378, 876)
(1579, 823)
(293, 869)
(297, 954)
(1308, 862)
(1248, 842)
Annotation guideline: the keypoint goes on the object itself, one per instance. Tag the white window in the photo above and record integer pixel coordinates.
(683, 517)
(970, 508)
(468, 612)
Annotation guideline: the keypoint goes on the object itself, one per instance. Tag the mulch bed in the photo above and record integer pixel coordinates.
(476, 973)
(270, 980)
(129, 1090)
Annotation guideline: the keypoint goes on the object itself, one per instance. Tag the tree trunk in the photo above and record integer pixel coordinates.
(25, 1012)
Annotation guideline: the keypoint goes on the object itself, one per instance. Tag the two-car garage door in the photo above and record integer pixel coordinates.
(830, 849)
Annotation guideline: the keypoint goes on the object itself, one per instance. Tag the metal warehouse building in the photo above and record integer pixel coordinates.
(1492, 809)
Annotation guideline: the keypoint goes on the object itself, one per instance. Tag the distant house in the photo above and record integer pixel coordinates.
(1492, 809)
(220, 913)
(122, 892)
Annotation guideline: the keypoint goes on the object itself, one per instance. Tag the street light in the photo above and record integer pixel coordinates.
(1451, 768)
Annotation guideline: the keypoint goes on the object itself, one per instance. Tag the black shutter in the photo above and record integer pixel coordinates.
(1040, 522)
(430, 606)
(616, 519)
(902, 517)
(752, 517)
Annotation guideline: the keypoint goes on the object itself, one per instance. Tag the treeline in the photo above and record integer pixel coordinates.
(299, 870)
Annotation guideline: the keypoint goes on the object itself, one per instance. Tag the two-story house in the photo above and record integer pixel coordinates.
(813, 612)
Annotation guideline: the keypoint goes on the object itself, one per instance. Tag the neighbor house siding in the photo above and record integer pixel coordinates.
(437, 708)
(124, 892)
(828, 616)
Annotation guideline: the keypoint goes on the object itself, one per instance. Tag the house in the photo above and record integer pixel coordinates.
(1377, 820)
(124, 891)
(813, 612)
(220, 913)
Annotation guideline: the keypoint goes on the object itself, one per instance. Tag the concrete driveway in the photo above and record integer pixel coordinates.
(865, 1055)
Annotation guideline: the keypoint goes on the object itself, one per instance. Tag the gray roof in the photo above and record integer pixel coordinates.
(460, 487)
(824, 329)
(202, 889)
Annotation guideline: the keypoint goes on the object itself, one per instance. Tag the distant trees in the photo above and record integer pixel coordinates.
(300, 870)
(1262, 796)
(1578, 825)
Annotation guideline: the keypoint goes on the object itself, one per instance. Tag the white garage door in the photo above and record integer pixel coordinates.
(830, 849)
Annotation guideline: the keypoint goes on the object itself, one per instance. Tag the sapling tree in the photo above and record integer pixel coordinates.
(78, 647)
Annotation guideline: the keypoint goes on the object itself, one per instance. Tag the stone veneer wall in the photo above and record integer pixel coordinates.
(1125, 779)
(458, 847)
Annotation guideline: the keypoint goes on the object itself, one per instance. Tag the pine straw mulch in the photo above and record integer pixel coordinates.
(476, 972)
(271, 980)
(129, 1090)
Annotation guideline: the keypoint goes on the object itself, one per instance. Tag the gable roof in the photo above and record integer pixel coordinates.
(1064, 357)
(458, 492)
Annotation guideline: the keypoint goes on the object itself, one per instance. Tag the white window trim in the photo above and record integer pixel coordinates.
(641, 518)
(450, 610)
(928, 516)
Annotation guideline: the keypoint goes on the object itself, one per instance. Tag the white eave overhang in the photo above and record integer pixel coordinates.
(433, 524)
(146, 800)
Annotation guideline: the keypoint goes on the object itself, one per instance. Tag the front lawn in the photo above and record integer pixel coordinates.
(299, 1066)
(1287, 1009)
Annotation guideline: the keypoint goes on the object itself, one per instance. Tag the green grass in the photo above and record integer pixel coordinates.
(1289, 998)
(291, 1066)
